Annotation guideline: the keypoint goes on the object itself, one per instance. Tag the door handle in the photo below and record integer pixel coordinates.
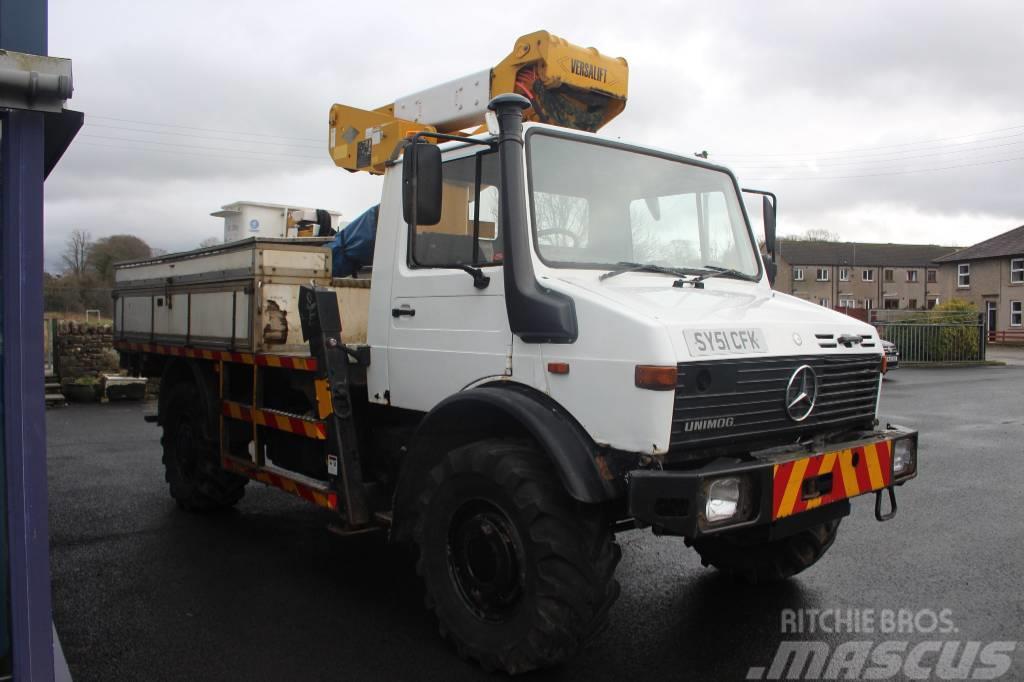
(398, 312)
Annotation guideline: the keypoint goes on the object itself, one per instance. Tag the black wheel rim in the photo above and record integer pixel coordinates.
(485, 560)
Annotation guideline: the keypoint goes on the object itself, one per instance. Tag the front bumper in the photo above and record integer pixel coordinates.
(778, 488)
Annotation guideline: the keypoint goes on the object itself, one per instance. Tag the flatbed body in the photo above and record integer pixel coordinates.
(239, 297)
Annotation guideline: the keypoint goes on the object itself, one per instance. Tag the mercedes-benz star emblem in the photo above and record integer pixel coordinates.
(801, 393)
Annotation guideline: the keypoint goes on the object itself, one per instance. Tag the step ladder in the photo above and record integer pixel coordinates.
(321, 328)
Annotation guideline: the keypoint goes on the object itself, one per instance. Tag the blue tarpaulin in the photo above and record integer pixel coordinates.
(352, 247)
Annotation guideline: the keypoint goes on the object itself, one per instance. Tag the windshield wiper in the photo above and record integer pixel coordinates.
(716, 271)
(707, 272)
(627, 266)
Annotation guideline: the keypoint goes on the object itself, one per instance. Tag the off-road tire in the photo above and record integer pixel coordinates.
(768, 561)
(191, 467)
(558, 557)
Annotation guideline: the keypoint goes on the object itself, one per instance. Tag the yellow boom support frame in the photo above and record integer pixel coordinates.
(567, 85)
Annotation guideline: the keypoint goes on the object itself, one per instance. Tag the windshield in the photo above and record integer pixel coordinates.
(595, 205)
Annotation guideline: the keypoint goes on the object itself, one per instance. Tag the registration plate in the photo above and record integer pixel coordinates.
(804, 484)
(741, 340)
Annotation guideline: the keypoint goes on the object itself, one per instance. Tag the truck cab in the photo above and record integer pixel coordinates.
(655, 257)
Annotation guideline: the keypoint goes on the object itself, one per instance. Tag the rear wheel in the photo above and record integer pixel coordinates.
(768, 561)
(191, 467)
(519, 574)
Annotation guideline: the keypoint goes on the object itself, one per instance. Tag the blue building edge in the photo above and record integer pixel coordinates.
(36, 129)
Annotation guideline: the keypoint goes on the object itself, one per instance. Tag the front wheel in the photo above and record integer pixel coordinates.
(768, 561)
(519, 574)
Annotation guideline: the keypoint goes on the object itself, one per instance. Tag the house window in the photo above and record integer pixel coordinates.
(868, 275)
(932, 302)
(822, 275)
(912, 304)
(847, 302)
(963, 275)
(1015, 314)
(823, 301)
(911, 275)
(932, 276)
(844, 274)
(892, 303)
(888, 275)
(868, 304)
(798, 274)
(1017, 271)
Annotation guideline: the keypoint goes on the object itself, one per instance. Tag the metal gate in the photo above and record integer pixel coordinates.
(929, 336)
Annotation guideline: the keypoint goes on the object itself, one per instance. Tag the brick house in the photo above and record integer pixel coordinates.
(861, 275)
(989, 274)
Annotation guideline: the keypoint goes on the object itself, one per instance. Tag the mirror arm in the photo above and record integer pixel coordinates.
(480, 280)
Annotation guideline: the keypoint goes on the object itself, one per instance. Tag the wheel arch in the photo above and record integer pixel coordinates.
(508, 409)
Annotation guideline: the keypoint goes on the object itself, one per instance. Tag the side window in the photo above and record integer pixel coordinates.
(468, 232)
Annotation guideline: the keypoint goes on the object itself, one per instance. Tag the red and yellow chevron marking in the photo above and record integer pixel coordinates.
(303, 427)
(872, 471)
(264, 360)
(321, 498)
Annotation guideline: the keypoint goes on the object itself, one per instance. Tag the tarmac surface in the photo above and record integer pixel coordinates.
(264, 592)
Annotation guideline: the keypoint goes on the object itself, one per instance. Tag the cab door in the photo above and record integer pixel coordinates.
(446, 333)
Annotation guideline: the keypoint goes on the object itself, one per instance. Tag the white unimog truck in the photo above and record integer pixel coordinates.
(562, 337)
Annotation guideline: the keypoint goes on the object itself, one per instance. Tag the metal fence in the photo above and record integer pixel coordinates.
(926, 337)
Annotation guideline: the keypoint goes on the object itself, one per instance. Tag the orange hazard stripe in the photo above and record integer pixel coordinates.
(855, 471)
(322, 498)
(286, 361)
(308, 428)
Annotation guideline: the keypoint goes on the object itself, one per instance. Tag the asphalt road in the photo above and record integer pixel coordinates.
(145, 591)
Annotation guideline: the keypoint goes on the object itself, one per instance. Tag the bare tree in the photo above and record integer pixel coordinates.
(561, 220)
(816, 234)
(76, 252)
(208, 242)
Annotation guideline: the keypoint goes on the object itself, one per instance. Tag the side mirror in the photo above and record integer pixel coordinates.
(421, 177)
(768, 210)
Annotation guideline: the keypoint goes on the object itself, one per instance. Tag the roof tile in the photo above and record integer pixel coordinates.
(798, 252)
(1006, 244)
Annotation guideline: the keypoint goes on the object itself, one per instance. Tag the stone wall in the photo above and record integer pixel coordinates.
(84, 349)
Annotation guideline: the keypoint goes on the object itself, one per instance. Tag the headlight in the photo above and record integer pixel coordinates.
(904, 457)
(723, 499)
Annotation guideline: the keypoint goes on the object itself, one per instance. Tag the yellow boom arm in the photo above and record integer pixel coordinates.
(567, 85)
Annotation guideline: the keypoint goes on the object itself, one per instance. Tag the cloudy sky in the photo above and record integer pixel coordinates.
(880, 121)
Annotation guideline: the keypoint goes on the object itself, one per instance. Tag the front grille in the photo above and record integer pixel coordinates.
(728, 402)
